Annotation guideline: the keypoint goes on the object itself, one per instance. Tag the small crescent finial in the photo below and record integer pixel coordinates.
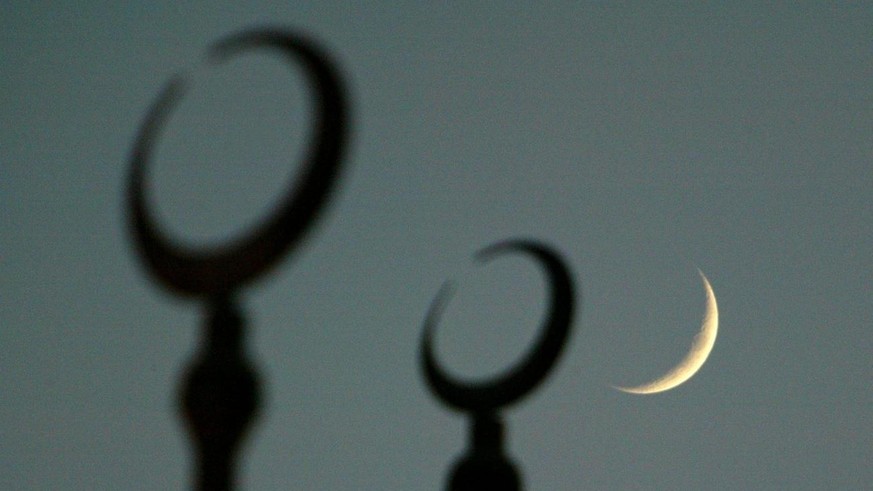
(490, 395)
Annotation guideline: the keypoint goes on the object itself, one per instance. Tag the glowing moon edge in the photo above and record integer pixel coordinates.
(700, 349)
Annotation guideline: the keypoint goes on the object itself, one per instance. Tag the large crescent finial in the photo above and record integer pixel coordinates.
(208, 272)
(521, 379)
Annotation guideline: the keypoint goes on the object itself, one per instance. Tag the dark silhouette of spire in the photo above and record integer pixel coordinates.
(220, 393)
(220, 397)
(485, 465)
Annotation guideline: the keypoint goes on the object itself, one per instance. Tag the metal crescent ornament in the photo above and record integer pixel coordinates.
(521, 379)
(219, 270)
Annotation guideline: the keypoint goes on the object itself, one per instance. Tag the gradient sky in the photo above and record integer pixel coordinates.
(640, 141)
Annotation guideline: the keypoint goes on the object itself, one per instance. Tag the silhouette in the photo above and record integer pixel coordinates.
(190, 272)
(220, 396)
(485, 465)
(220, 392)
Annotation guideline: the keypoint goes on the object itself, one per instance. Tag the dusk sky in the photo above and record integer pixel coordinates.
(641, 140)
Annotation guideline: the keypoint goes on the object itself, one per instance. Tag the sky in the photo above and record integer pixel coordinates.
(641, 141)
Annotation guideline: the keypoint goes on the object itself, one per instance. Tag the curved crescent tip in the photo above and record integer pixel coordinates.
(631, 390)
(521, 379)
(188, 271)
(640, 391)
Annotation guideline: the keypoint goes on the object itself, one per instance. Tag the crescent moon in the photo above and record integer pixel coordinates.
(529, 373)
(701, 347)
(189, 271)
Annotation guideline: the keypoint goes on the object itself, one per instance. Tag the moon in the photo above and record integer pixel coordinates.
(701, 346)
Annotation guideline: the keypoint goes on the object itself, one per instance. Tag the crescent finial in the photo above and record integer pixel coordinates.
(190, 271)
(521, 379)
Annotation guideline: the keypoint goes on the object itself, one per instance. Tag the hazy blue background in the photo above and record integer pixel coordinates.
(641, 141)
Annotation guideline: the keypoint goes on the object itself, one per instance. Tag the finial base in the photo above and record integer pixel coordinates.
(485, 466)
(220, 396)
